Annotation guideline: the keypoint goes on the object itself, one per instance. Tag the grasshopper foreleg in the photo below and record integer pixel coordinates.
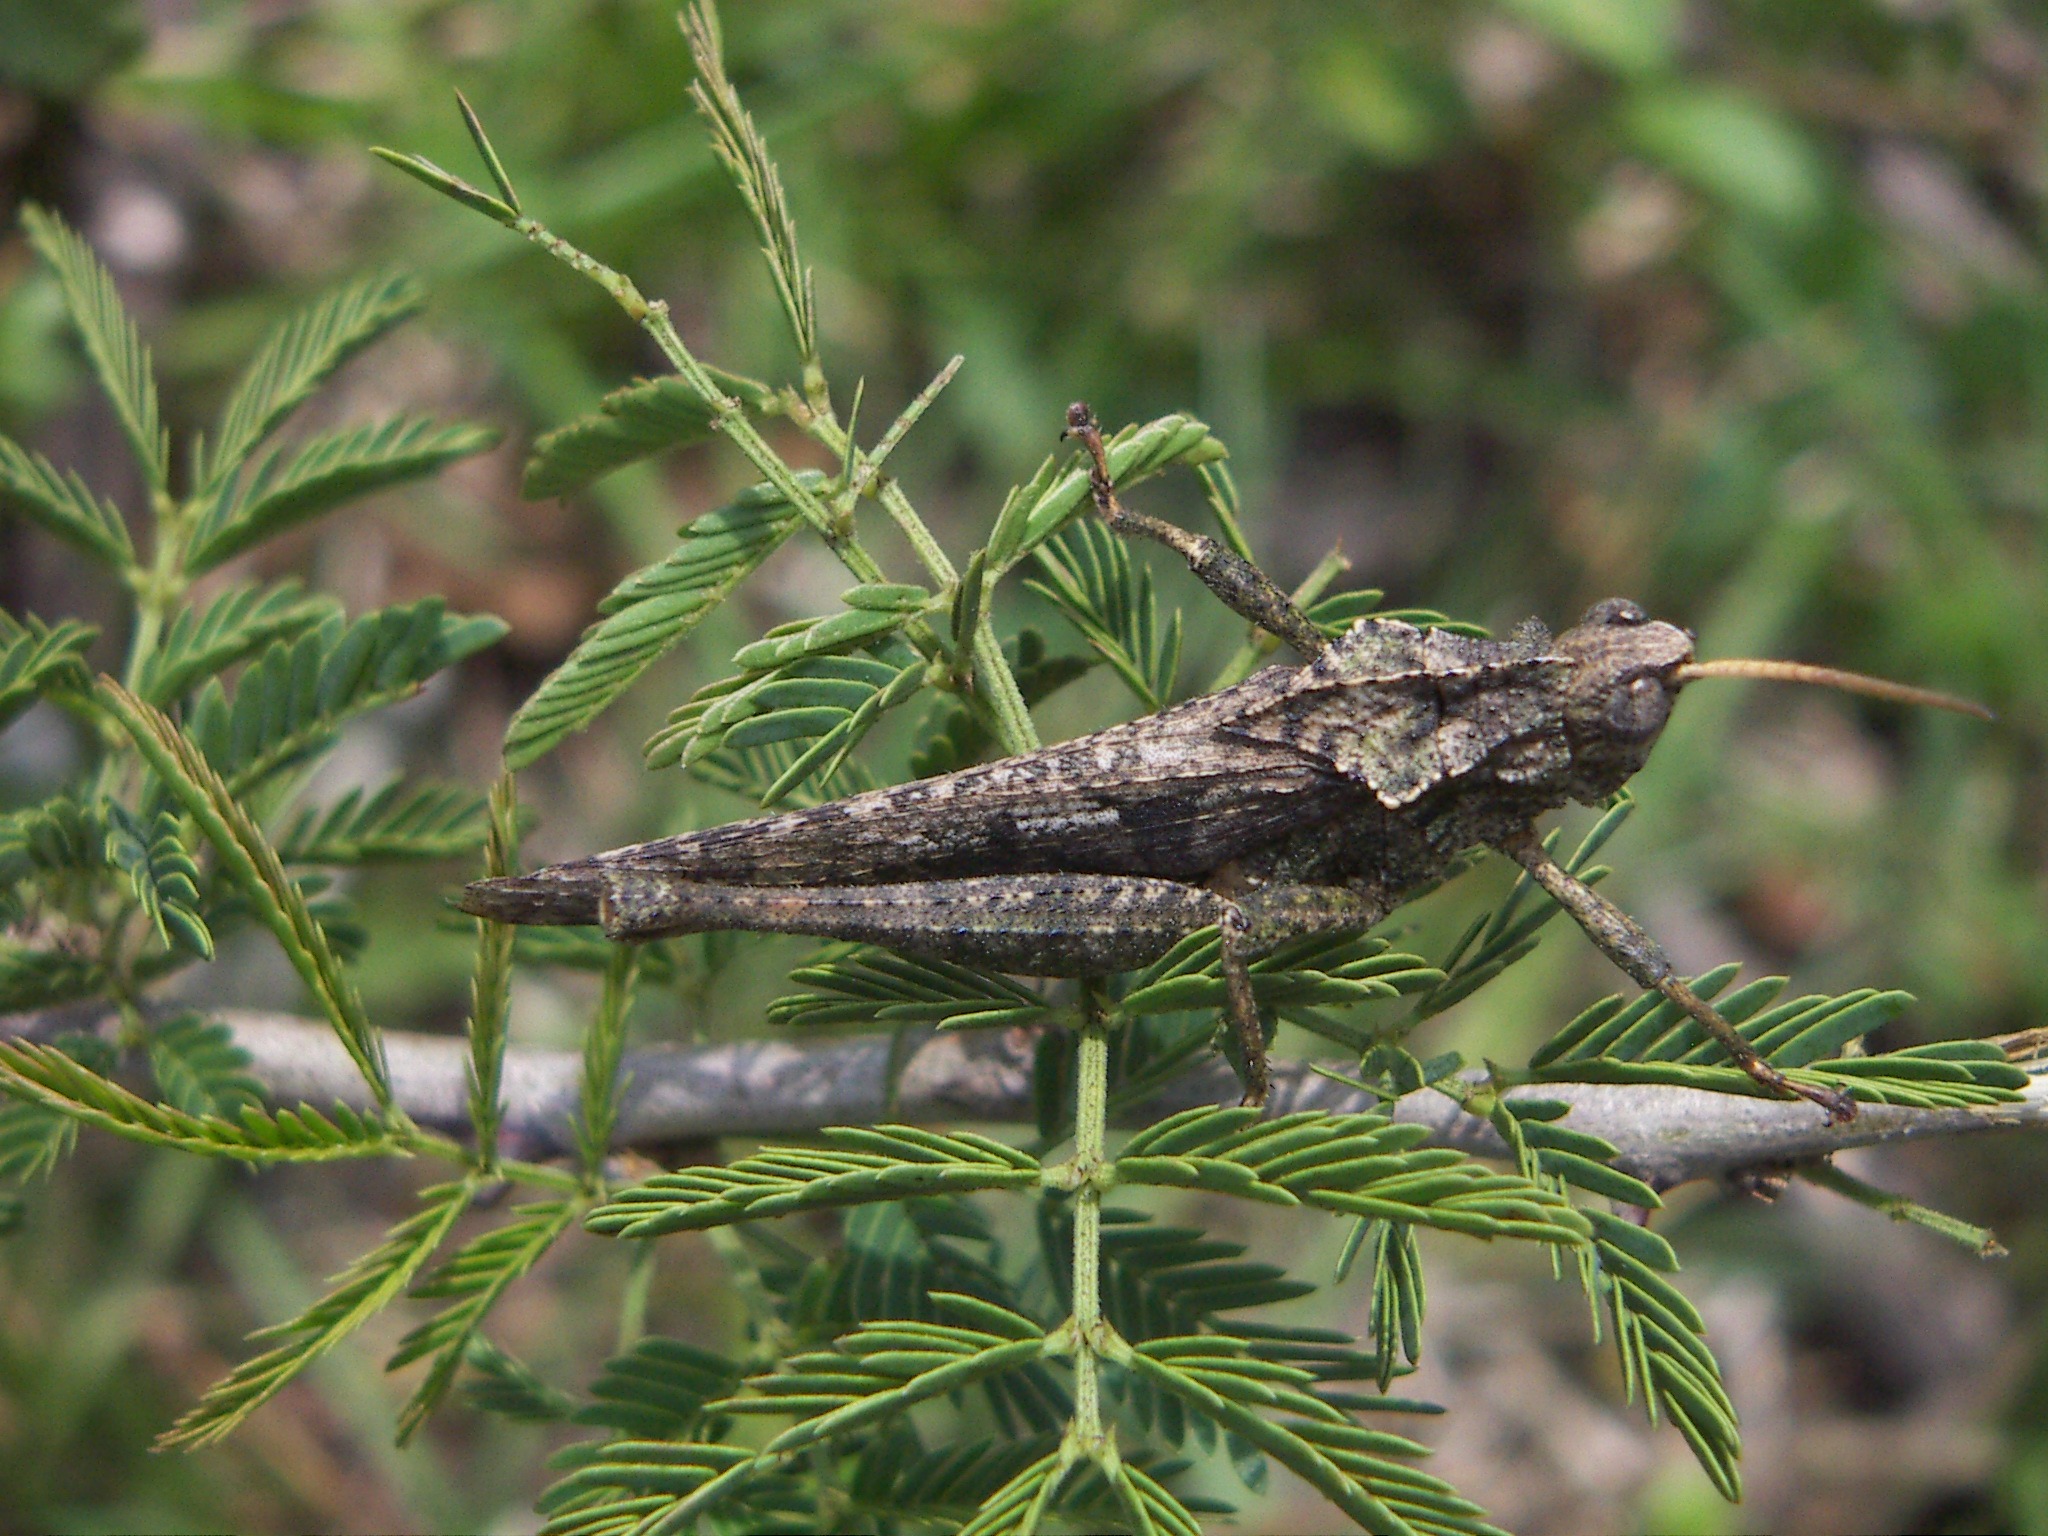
(1242, 586)
(1624, 941)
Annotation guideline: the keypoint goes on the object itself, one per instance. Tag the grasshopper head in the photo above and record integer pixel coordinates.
(1628, 667)
(1625, 674)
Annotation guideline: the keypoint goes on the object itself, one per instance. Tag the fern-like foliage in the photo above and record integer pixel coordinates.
(1088, 574)
(296, 358)
(64, 505)
(35, 1136)
(874, 1374)
(112, 343)
(1363, 1165)
(1270, 1404)
(471, 1281)
(365, 1288)
(291, 702)
(1044, 504)
(293, 486)
(46, 1075)
(860, 1164)
(1652, 1041)
(36, 658)
(164, 876)
(804, 683)
(649, 612)
(201, 643)
(200, 1070)
(645, 417)
(658, 1390)
(278, 901)
(860, 984)
(403, 820)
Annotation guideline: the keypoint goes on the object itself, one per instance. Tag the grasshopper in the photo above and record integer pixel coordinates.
(1300, 801)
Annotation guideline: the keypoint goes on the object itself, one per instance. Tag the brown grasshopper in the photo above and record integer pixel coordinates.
(1302, 800)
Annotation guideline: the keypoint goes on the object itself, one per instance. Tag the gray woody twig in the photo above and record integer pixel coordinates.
(1667, 1136)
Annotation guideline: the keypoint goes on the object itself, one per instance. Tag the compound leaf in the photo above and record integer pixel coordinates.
(45, 1075)
(399, 821)
(1038, 509)
(860, 984)
(629, 424)
(1088, 574)
(861, 1164)
(657, 1389)
(472, 1279)
(36, 657)
(164, 876)
(364, 1289)
(297, 357)
(1363, 1165)
(203, 642)
(293, 700)
(649, 612)
(200, 1070)
(112, 344)
(293, 486)
(1651, 1040)
(252, 862)
(64, 505)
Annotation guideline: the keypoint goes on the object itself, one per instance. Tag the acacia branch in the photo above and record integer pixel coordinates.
(1664, 1135)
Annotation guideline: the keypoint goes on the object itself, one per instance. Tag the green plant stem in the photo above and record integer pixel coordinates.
(1004, 702)
(1091, 1330)
(1979, 1240)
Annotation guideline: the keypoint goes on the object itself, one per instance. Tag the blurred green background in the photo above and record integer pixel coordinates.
(1738, 309)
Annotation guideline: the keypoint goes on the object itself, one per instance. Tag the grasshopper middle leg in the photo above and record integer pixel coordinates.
(1623, 940)
(1031, 925)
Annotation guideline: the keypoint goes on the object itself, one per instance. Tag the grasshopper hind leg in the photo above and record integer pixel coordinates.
(1028, 925)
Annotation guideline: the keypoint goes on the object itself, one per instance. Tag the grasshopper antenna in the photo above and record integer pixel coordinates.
(1829, 677)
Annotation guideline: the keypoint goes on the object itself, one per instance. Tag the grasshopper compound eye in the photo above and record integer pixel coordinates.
(1637, 710)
